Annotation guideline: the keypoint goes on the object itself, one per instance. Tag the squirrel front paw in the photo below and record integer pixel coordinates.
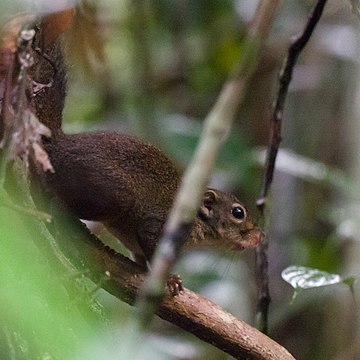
(175, 285)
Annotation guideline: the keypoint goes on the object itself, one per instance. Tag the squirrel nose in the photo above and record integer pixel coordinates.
(249, 225)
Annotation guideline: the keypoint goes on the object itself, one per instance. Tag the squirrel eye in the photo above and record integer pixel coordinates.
(238, 212)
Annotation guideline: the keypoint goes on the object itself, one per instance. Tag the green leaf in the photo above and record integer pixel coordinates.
(301, 277)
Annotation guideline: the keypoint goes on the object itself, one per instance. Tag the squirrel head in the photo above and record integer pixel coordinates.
(224, 222)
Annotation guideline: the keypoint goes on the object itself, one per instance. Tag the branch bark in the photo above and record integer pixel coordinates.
(190, 311)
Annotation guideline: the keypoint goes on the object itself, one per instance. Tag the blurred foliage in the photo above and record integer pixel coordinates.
(40, 316)
(155, 68)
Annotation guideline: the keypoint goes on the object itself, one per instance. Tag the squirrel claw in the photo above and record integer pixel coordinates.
(175, 285)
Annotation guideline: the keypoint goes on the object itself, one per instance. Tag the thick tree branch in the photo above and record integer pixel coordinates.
(190, 311)
(68, 239)
(275, 138)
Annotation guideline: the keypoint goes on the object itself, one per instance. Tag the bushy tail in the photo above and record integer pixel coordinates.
(49, 84)
(49, 70)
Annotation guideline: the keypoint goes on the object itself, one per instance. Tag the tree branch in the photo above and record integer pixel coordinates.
(69, 247)
(275, 138)
(217, 125)
(190, 311)
(294, 51)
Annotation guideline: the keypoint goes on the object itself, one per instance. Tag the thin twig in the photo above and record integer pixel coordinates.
(217, 126)
(275, 138)
(285, 77)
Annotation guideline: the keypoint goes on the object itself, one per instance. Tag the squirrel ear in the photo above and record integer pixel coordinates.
(205, 211)
(209, 198)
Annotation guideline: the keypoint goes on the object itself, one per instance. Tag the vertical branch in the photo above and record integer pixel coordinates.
(298, 44)
(217, 125)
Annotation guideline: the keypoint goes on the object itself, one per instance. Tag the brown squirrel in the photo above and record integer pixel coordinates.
(123, 182)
